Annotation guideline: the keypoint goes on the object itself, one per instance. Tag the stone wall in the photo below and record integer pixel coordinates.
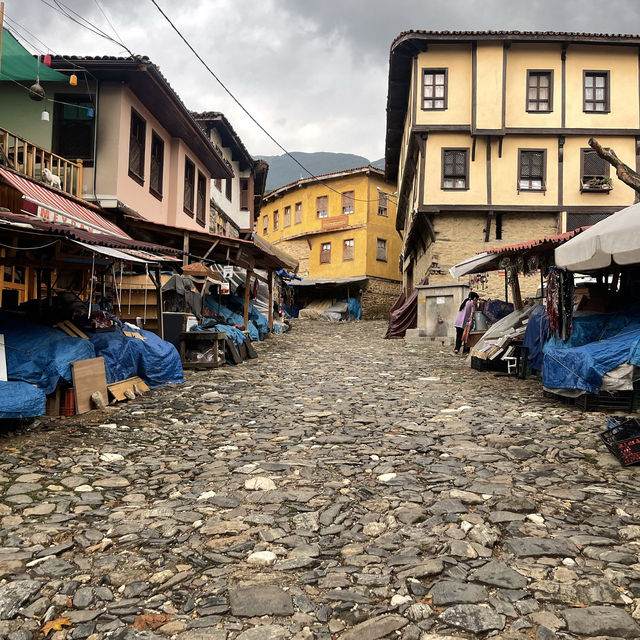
(460, 236)
(299, 250)
(378, 297)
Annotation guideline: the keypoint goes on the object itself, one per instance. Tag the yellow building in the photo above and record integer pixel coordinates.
(487, 139)
(341, 228)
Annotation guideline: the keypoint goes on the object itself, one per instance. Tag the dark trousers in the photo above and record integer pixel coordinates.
(459, 332)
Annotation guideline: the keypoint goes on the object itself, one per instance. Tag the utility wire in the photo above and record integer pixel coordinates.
(253, 119)
(106, 17)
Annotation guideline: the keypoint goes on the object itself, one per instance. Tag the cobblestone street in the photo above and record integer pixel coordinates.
(339, 486)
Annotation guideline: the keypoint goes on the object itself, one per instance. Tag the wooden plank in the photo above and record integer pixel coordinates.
(117, 389)
(63, 327)
(72, 327)
(88, 377)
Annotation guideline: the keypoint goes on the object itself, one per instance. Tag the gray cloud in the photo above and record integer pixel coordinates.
(313, 73)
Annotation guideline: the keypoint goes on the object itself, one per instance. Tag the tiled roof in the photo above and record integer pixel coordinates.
(541, 243)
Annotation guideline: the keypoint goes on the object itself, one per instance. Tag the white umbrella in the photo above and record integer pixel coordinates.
(616, 238)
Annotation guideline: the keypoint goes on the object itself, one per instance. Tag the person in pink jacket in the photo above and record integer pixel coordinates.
(464, 313)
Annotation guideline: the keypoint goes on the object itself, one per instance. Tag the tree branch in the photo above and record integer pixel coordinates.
(623, 171)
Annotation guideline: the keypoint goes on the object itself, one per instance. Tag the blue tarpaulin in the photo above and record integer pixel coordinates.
(230, 316)
(535, 336)
(236, 336)
(38, 354)
(21, 400)
(615, 340)
(236, 303)
(157, 362)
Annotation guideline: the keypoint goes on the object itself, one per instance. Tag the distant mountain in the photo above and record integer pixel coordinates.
(283, 170)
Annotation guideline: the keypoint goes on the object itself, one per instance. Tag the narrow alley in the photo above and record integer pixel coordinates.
(339, 486)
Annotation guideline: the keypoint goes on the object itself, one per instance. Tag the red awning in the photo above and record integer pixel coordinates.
(49, 205)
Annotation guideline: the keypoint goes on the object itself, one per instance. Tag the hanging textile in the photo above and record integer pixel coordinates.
(560, 302)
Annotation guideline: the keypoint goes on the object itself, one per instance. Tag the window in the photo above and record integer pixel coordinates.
(244, 194)
(381, 249)
(383, 201)
(596, 91)
(298, 212)
(218, 183)
(157, 165)
(73, 127)
(347, 249)
(276, 220)
(531, 169)
(594, 172)
(189, 185)
(201, 212)
(227, 189)
(265, 224)
(348, 201)
(321, 207)
(137, 135)
(540, 91)
(286, 222)
(325, 253)
(434, 89)
(498, 226)
(455, 168)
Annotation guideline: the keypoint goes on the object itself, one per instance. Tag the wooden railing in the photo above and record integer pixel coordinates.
(29, 159)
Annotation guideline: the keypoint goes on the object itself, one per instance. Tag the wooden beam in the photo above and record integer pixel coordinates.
(158, 283)
(214, 244)
(185, 248)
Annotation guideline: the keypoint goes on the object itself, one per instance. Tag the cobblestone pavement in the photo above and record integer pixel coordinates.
(340, 486)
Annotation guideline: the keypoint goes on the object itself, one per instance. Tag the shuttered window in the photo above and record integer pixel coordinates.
(276, 220)
(298, 213)
(322, 207)
(189, 185)
(539, 91)
(325, 253)
(383, 204)
(434, 89)
(286, 221)
(594, 172)
(244, 194)
(348, 249)
(532, 169)
(381, 249)
(348, 199)
(265, 224)
(455, 168)
(137, 135)
(157, 165)
(201, 201)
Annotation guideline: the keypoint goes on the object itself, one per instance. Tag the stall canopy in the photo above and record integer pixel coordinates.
(19, 65)
(615, 239)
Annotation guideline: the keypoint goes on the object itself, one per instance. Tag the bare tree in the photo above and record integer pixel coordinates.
(623, 171)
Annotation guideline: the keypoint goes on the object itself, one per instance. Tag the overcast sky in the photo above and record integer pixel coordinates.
(312, 72)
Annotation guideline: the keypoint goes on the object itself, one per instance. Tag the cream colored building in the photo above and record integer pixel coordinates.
(487, 139)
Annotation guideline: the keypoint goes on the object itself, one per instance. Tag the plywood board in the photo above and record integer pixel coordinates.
(117, 389)
(88, 377)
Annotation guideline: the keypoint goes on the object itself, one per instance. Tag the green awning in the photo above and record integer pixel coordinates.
(18, 64)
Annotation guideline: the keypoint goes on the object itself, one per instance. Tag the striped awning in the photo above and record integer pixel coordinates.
(49, 205)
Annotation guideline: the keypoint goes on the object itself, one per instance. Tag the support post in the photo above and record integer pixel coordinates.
(515, 291)
(247, 290)
(270, 284)
(158, 284)
(506, 284)
(185, 248)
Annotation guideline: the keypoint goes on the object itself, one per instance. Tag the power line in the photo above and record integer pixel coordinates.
(106, 17)
(253, 119)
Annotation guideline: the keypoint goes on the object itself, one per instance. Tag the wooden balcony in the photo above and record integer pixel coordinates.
(29, 159)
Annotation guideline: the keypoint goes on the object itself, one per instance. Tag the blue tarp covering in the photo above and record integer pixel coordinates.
(230, 316)
(157, 362)
(536, 335)
(355, 310)
(236, 303)
(615, 340)
(236, 336)
(21, 400)
(38, 354)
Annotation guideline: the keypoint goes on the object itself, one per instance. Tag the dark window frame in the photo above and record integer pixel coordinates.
(543, 178)
(445, 98)
(348, 203)
(348, 251)
(607, 87)
(156, 166)
(276, 220)
(606, 174)
(538, 72)
(297, 219)
(201, 199)
(228, 189)
(498, 225)
(138, 177)
(325, 199)
(443, 177)
(188, 199)
(325, 255)
(58, 120)
(386, 250)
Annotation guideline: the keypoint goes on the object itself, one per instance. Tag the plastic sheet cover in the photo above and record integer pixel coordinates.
(156, 361)
(230, 316)
(38, 354)
(584, 366)
(21, 400)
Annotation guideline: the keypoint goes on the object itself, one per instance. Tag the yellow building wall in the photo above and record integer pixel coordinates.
(504, 172)
(523, 57)
(477, 191)
(621, 195)
(364, 226)
(489, 91)
(457, 60)
(622, 63)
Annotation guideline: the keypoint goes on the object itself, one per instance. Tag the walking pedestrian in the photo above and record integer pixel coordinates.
(464, 313)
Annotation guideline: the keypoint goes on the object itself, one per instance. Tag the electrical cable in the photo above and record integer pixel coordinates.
(244, 109)
(42, 246)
